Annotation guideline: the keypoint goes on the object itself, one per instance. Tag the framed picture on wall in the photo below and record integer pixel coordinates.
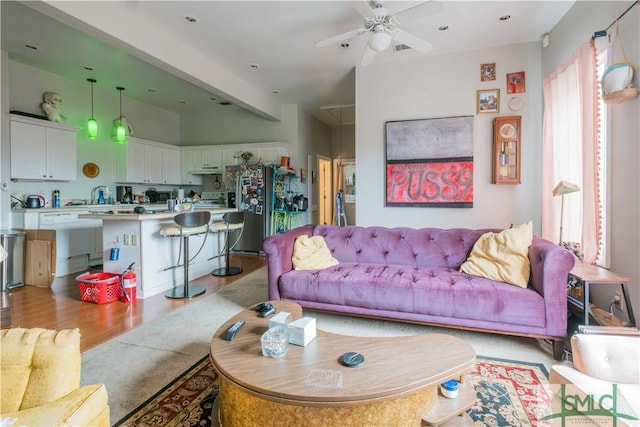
(516, 82)
(488, 101)
(429, 162)
(487, 72)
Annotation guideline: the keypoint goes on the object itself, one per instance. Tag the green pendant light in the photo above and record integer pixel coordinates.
(92, 124)
(121, 132)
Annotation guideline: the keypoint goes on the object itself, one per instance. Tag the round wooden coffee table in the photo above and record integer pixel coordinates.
(396, 385)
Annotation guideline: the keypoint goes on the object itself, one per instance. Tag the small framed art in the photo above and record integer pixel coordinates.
(488, 101)
(515, 82)
(487, 72)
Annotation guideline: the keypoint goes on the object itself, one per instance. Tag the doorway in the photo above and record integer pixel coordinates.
(325, 193)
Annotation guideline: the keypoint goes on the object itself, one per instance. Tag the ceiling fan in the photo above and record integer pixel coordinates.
(384, 27)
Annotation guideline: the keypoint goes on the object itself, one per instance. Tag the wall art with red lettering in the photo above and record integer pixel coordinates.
(429, 162)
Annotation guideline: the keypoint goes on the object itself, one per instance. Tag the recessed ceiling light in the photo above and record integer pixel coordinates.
(88, 68)
(443, 28)
(254, 66)
(32, 47)
(505, 17)
(344, 45)
(191, 19)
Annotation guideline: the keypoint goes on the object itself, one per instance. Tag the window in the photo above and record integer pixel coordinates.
(574, 151)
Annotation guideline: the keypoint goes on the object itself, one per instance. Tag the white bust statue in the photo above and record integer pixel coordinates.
(122, 120)
(51, 106)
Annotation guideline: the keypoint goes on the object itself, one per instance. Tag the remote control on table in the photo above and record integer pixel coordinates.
(233, 330)
(268, 312)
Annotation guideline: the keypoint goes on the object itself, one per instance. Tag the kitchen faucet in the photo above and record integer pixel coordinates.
(94, 199)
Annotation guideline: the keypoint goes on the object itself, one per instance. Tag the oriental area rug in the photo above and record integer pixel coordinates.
(508, 393)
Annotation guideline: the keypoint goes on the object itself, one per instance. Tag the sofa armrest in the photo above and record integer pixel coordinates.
(550, 267)
(279, 251)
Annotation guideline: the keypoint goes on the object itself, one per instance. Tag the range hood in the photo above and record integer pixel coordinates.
(213, 170)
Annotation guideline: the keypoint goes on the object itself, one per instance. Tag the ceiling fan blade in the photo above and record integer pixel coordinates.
(341, 37)
(363, 7)
(412, 41)
(368, 55)
(420, 11)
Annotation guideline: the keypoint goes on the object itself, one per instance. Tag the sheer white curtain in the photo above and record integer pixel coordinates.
(569, 151)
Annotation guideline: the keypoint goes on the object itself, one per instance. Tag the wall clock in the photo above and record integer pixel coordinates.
(506, 150)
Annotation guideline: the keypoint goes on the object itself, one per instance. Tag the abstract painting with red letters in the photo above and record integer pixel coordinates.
(430, 162)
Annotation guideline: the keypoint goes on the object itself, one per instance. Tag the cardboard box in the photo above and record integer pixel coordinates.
(40, 258)
(302, 331)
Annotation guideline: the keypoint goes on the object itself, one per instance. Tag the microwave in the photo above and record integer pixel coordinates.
(163, 196)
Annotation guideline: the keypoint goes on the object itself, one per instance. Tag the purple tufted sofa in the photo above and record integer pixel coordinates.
(411, 275)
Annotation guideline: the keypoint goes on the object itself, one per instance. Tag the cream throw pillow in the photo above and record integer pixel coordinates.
(502, 256)
(311, 253)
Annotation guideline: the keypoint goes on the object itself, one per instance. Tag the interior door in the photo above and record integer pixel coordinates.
(325, 191)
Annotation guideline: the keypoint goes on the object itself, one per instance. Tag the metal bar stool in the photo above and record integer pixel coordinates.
(190, 224)
(230, 221)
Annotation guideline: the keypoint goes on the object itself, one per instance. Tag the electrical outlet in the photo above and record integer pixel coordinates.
(618, 301)
(125, 239)
(134, 239)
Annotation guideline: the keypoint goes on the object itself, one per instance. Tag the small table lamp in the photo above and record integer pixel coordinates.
(561, 189)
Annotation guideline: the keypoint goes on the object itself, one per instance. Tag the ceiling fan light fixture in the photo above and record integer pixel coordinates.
(379, 41)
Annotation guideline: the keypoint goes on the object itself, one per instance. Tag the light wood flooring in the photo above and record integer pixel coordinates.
(60, 307)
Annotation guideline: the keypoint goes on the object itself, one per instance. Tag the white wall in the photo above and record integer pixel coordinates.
(445, 86)
(5, 163)
(574, 29)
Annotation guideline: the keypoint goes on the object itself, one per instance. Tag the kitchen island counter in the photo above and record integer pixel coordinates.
(158, 259)
(117, 214)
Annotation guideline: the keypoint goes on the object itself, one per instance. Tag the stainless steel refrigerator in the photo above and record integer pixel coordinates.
(251, 185)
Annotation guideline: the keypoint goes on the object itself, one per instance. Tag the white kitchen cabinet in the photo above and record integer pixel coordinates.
(272, 154)
(42, 150)
(265, 152)
(207, 159)
(78, 241)
(171, 166)
(188, 166)
(138, 161)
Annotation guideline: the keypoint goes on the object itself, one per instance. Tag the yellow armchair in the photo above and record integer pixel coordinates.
(40, 381)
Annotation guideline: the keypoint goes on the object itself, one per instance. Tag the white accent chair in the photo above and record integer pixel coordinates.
(601, 359)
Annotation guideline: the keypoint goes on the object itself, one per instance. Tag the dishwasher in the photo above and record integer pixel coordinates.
(78, 241)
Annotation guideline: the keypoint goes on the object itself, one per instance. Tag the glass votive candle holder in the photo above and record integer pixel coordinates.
(275, 342)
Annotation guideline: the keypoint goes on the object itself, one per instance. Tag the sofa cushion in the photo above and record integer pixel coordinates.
(311, 253)
(422, 248)
(426, 291)
(502, 256)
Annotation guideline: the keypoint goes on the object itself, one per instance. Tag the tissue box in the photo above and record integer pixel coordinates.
(279, 319)
(302, 331)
